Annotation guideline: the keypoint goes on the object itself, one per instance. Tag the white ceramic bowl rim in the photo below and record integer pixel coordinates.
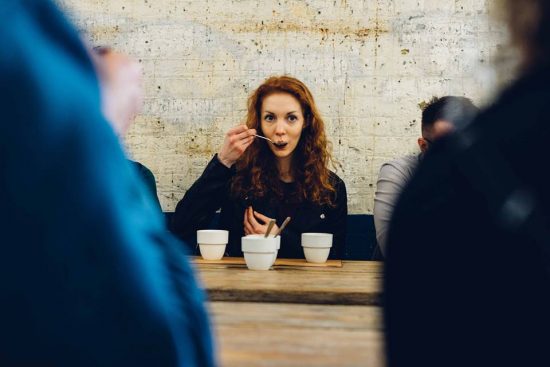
(322, 240)
(212, 237)
(260, 244)
(255, 236)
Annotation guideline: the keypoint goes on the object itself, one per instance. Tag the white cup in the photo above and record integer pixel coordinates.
(316, 246)
(260, 252)
(278, 239)
(212, 243)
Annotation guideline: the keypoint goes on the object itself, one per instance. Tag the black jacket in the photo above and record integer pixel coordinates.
(467, 273)
(211, 192)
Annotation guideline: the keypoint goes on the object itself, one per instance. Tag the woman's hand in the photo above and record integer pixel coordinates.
(256, 223)
(236, 141)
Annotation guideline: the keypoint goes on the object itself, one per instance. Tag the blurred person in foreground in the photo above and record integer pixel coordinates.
(440, 117)
(467, 274)
(88, 275)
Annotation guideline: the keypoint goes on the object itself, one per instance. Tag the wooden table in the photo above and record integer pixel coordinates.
(283, 335)
(296, 315)
(355, 283)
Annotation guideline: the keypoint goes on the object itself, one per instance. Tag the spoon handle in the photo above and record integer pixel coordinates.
(282, 226)
(263, 137)
(269, 227)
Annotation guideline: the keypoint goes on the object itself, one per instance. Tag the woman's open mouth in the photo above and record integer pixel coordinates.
(280, 144)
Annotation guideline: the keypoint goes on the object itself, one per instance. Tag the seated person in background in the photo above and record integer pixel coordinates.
(439, 118)
(253, 180)
(149, 180)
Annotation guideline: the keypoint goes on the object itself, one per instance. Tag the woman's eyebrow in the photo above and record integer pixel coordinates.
(273, 113)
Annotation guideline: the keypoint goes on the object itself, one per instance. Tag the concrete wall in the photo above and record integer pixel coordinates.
(370, 64)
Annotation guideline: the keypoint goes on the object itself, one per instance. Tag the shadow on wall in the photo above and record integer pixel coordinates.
(360, 240)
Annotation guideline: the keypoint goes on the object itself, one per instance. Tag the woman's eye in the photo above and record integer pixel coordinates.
(268, 118)
(292, 118)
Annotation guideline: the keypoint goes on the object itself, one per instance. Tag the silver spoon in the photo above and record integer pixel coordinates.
(263, 137)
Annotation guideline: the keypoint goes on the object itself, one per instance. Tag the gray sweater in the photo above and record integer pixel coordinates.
(392, 179)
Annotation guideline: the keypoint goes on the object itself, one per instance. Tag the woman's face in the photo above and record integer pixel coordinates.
(282, 121)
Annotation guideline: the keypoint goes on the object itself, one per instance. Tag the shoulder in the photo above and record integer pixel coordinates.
(141, 168)
(144, 172)
(405, 163)
(335, 179)
(339, 185)
(400, 168)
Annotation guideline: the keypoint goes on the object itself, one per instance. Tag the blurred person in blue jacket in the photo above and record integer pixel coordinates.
(88, 274)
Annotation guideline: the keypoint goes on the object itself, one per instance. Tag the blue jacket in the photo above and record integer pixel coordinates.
(88, 274)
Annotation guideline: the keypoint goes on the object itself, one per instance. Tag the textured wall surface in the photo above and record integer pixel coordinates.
(370, 64)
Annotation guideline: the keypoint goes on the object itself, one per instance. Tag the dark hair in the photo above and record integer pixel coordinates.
(255, 174)
(456, 110)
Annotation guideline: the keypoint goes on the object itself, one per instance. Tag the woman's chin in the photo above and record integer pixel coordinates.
(281, 153)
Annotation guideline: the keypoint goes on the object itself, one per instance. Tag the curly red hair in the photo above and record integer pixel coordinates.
(256, 170)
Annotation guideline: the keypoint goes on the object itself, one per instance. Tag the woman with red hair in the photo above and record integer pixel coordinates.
(254, 180)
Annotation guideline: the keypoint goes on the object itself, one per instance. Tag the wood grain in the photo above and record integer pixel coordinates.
(355, 283)
(267, 334)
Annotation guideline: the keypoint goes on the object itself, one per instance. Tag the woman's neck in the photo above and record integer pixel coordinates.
(285, 169)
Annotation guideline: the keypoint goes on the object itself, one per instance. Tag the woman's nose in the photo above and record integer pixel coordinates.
(280, 128)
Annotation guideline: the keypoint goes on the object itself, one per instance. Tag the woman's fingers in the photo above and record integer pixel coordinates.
(248, 227)
(261, 217)
(257, 227)
(256, 223)
(245, 134)
(236, 130)
(266, 220)
(235, 143)
(252, 219)
(247, 143)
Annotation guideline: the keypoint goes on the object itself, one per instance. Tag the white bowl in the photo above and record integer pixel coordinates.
(260, 252)
(274, 257)
(212, 252)
(212, 243)
(316, 255)
(278, 239)
(316, 246)
(258, 260)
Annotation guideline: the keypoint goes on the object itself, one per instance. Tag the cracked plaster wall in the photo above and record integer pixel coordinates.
(370, 64)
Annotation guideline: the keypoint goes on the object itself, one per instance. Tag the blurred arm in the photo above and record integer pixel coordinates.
(392, 179)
